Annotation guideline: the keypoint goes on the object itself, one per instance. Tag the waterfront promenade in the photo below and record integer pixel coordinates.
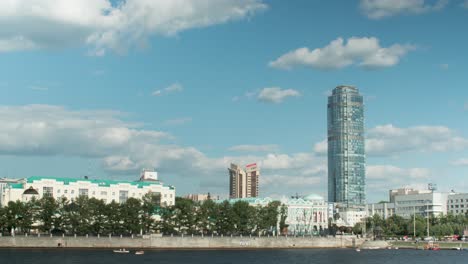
(186, 242)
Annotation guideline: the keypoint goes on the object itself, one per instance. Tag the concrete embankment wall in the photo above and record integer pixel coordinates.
(179, 242)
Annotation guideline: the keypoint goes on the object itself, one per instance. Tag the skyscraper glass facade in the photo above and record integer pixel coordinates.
(346, 155)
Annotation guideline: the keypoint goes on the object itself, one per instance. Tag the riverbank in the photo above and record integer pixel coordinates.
(181, 242)
(422, 244)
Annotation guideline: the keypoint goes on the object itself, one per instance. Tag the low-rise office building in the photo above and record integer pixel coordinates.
(69, 188)
(457, 203)
(384, 210)
(423, 204)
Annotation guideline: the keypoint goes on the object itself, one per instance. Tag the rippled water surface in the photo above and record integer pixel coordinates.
(348, 256)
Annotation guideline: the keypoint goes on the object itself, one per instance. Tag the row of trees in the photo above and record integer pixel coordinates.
(92, 216)
(440, 226)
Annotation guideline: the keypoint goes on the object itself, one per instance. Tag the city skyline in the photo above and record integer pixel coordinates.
(101, 89)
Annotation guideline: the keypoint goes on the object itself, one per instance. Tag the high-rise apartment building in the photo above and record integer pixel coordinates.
(253, 173)
(243, 183)
(346, 156)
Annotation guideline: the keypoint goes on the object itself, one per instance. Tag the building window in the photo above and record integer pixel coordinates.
(58, 191)
(103, 193)
(94, 193)
(72, 191)
(123, 196)
(66, 191)
(47, 191)
(83, 192)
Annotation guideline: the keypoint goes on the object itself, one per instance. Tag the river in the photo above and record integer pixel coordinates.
(292, 256)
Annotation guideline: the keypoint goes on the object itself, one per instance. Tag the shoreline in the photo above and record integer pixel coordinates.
(180, 243)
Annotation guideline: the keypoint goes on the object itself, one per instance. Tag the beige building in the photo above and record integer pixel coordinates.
(243, 183)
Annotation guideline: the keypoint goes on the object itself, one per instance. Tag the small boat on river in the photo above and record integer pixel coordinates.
(139, 252)
(121, 250)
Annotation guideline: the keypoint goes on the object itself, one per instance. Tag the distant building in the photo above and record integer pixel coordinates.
(457, 203)
(243, 183)
(351, 216)
(404, 191)
(305, 215)
(384, 210)
(346, 155)
(422, 203)
(201, 197)
(106, 190)
(252, 175)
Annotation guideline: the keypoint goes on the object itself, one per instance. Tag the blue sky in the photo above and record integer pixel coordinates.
(105, 89)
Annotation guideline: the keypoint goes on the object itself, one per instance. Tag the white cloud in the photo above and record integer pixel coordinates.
(124, 148)
(381, 178)
(254, 148)
(393, 173)
(178, 121)
(276, 94)
(377, 9)
(173, 88)
(39, 24)
(366, 52)
(461, 162)
(38, 88)
(388, 140)
(321, 147)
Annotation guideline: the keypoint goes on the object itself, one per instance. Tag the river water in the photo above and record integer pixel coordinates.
(292, 256)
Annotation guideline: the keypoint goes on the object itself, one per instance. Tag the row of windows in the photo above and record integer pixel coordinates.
(456, 206)
(84, 192)
(461, 200)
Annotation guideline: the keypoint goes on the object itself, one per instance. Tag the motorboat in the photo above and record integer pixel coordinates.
(139, 252)
(358, 250)
(121, 250)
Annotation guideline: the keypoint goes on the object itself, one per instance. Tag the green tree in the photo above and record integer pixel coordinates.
(48, 207)
(130, 215)
(150, 205)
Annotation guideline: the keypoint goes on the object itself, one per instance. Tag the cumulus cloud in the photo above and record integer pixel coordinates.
(461, 162)
(377, 9)
(365, 52)
(254, 148)
(104, 25)
(381, 178)
(393, 173)
(387, 140)
(125, 148)
(276, 94)
(173, 88)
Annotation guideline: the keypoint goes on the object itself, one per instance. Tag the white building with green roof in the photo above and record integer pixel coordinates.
(305, 215)
(72, 188)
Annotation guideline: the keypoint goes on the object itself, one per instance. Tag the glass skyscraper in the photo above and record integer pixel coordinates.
(346, 156)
